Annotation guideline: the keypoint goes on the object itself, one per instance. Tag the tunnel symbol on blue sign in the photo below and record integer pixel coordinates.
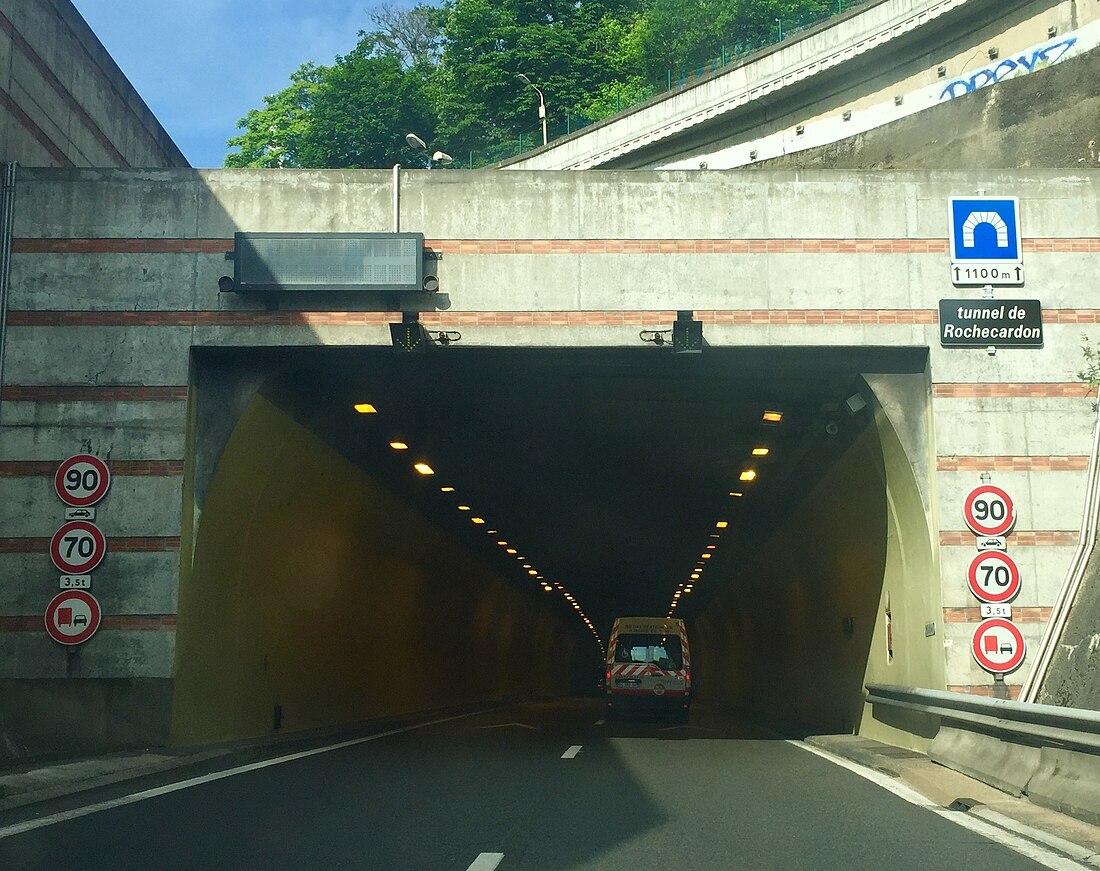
(985, 229)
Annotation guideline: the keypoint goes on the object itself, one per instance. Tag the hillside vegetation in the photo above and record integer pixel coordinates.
(450, 73)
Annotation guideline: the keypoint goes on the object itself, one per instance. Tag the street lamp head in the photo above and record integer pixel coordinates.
(442, 158)
(415, 141)
(523, 78)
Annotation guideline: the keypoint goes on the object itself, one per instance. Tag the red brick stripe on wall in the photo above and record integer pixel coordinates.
(829, 317)
(255, 318)
(121, 246)
(111, 623)
(1038, 390)
(123, 468)
(115, 544)
(201, 319)
(1037, 538)
(974, 615)
(574, 246)
(1012, 464)
(93, 393)
(821, 317)
(1071, 316)
(983, 690)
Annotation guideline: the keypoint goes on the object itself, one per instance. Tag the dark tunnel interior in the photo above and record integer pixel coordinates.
(616, 475)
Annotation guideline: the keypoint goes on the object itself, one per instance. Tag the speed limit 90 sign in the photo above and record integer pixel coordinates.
(988, 510)
(81, 480)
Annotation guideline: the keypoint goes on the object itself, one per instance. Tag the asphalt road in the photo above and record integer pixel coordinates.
(545, 785)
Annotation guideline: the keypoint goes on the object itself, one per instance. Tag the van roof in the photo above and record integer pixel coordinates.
(648, 624)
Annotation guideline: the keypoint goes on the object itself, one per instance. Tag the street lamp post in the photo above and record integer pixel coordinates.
(440, 157)
(542, 103)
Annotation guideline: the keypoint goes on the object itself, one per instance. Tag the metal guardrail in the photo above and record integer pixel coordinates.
(1016, 722)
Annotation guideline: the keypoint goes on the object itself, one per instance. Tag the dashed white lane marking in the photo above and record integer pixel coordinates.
(486, 862)
(572, 752)
(999, 836)
(600, 722)
(133, 798)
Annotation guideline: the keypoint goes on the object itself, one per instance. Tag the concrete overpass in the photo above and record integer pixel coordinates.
(273, 562)
(876, 65)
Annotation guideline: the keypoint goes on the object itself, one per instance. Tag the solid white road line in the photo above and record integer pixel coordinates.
(486, 862)
(19, 828)
(1020, 845)
(572, 752)
(508, 726)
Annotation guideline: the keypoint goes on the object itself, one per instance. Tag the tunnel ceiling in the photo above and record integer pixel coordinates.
(608, 468)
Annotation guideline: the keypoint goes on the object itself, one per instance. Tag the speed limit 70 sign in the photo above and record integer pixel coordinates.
(993, 577)
(78, 547)
(988, 510)
(81, 480)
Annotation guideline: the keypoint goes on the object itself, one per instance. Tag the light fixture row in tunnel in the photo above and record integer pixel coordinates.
(769, 417)
(422, 467)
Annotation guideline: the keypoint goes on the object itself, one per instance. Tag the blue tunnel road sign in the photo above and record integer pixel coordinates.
(985, 230)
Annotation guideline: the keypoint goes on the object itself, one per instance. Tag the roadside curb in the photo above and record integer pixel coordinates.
(68, 778)
(51, 781)
(1011, 815)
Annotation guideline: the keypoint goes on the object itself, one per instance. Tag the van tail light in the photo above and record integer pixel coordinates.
(608, 678)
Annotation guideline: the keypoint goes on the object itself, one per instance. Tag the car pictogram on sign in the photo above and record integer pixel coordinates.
(998, 645)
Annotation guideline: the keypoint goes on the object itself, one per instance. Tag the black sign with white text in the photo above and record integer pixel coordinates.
(980, 323)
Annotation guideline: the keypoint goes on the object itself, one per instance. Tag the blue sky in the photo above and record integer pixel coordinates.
(200, 65)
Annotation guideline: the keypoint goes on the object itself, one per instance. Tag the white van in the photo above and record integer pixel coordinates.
(648, 665)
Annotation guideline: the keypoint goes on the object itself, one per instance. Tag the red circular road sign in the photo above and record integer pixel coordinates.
(72, 617)
(78, 547)
(994, 577)
(82, 480)
(988, 510)
(997, 645)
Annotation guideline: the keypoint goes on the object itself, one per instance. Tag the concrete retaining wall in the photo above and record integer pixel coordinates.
(115, 282)
(859, 63)
(64, 101)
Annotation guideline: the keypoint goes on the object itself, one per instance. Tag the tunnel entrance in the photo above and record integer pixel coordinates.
(759, 493)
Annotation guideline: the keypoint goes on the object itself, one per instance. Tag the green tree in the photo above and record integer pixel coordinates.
(354, 113)
(363, 107)
(272, 135)
(450, 73)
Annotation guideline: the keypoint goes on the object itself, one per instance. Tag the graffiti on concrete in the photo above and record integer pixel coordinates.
(1010, 67)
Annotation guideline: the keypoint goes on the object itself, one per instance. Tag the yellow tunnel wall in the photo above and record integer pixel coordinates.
(315, 589)
(799, 630)
(912, 594)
